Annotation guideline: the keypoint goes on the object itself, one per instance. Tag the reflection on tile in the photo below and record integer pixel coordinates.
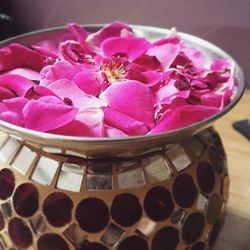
(3, 138)
(75, 235)
(8, 149)
(99, 176)
(70, 177)
(45, 171)
(99, 182)
(112, 235)
(70, 152)
(100, 168)
(131, 178)
(5, 241)
(205, 136)
(23, 160)
(6, 209)
(52, 150)
(178, 217)
(195, 146)
(146, 227)
(179, 158)
(202, 202)
(38, 224)
(157, 169)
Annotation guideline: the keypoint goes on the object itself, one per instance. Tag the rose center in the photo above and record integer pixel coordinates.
(114, 68)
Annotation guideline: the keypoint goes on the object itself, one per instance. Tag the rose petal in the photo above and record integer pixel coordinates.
(79, 32)
(114, 132)
(195, 56)
(15, 83)
(131, 98)
(47, 48)
(73, 128)
(12, 118)
(81, 100)
(5, 93)
(131, 47)
(47, 113)
(89, 82)
(26, 73)
(17, 55)
(183, 116)
(165, 53)
(16, 104)
(112, 30)
(148, 62)
(123, 122)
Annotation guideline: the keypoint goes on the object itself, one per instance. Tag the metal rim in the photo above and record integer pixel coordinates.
(192, 127)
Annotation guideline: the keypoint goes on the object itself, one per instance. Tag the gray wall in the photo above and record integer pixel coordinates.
(223, 22)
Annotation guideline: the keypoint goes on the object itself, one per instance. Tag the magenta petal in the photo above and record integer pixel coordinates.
(136, 100)
(93, 119)
(74, 128)
(148, 62)
(79, 32)
(27, 58)
(60, 70)
(165, 54)
(7, 59)
(220, 64)
(26, 73)
(183, 116)
(132, 47)
(211, 99)
(89, 82)
(6, 94)
(67, 89)
(46, 48)
(112, 30)
(47, 114)
(11, 117)
(114, 132)
(15, 83)
(195, 56)
(16, 104)
(124, 123)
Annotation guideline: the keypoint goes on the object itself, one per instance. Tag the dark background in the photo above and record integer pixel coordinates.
(223, 22)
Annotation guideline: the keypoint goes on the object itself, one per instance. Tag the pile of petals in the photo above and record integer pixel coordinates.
(110, 83)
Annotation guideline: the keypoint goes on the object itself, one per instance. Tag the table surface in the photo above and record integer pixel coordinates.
(236, 232)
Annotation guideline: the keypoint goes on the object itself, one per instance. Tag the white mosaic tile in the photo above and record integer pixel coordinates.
(8, 149)
(45, 171)
(70, 177)
(179, 157)
(157, 169)
(23, 160)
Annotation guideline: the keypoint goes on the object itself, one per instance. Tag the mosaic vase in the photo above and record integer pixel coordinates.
(161, 192)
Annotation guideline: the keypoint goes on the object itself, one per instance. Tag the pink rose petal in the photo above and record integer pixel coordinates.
(114, 132)
(131, 47)
(67, 89)
(25, 72)
(123, 122)
(79, 32)
(47, 113)
(89, 82)
(112, 30)
(131, 98)
(15, 83)
(183, 116)
(165, 53)
(17, 55)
